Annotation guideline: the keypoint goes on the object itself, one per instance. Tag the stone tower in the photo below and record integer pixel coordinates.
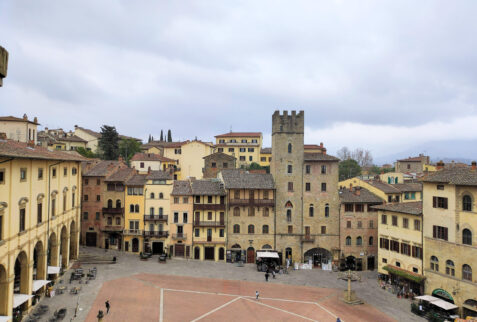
(287, 170)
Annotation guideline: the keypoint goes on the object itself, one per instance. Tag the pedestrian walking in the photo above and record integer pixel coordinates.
(338, 320)
(273, 273)
(107, 306)
(257, 295)
(266, 276)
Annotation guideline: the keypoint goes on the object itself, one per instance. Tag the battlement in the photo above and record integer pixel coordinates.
(288, 123)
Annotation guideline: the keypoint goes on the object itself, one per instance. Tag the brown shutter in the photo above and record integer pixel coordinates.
(434, 202)
(445, 233)
(445, 203)
(434, 231)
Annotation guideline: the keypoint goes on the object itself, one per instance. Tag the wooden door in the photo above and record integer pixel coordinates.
(179, 250)
(222, 218)
(209, 235)
(307, 232)
(197, 218)
(250, 255)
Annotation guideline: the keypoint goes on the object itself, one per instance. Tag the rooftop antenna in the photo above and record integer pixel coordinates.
(230, 128)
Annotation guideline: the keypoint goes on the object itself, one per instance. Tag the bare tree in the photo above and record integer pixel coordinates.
(344, 153)
(360, 155)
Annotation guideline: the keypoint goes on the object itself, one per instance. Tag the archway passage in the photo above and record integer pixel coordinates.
(73, 241)
(197, 253)
(21, 281)
(3, 292)
(64, 248)
(135, 245)
(319, 256)
(53, 250)
(221, 253)
(250, 255)
(351, 263)
(470, 307)
(39, 262)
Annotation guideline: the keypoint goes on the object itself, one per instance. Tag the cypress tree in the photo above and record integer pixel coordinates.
(169, 136)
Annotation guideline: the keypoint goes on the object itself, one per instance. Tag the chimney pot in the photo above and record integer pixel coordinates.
(474, 165)
(25, 117)
(351, 187)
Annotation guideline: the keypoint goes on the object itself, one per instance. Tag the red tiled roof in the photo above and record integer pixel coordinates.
(13, 149)
(150, 157)
(239, 134)
(411, 159)
(312, 146)
(15, 119)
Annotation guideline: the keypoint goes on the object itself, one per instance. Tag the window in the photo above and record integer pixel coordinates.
(85, 197)
(214, 165)
(394, 220)
(23, 174)
(39, 212)
(176, 200)
(417, 224)
(290, 186)
(327, 210)
(323, 186)
(65, 171)
(289, 215)
(161, 195)
(450, 269)
(348, 224)
(22, 219)
(307, 169)
(184, 218)
(349, 207)
(244, 140)
(416, 252)
(371, 224)
(307, 186)
(370, 241)
(251, 149)
(185, 200)
(74, 171)
(236, 229)
(221, 232)
(118, 221)
(231, 150)
(290, 168)
(323, 230)
(348, 241)
(311, 210)
(250, 158)
(290, 229)
(289, 148)
(242, 149)
(98, 197)
(251, 229)
(467, 203)
(263, 159)
(359, 207)
(197, 233)
(73, 200)
(98, 182)
(225, 165)
(405, 249)
(209, 199)
(136, 208)
(254, 141)
(131, 208)
(359, 241)
(466, 237)
(265, 194)
(323, 169)
(97, 215)
(209, 215)
(265, 229)
(390, 198)
(439, 202)
(384, 260)
(394, 246)
(440, 187)
(221, 141)
(384, 243)
(64, 202)
(466, 272)
(152, 195)
(398, 264)
(176, 217)
(53, 207)
(251, 211)
(236, 211)
(439, 232)
(266, 212)
(197, 199)
(360, 224)
(40, 173)
(85, 215)
(405, 223)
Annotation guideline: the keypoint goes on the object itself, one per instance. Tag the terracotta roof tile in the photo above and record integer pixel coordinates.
(15, 119)
(219, 155)
(266, 150)
(13, 149)
(384, 187)
(239, 134)
(411, 208)
(365, 196)
(208, 187)
(160, 175)
(457, 176)
(102, 168)
(310, 157)
(182, 188)
(241, 179)
(122, 175)
(150, 157)
(137, 180)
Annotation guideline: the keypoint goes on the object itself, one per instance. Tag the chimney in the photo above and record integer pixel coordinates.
(474, 165)
(321, 144)
(440, 165)
(35, 119)
(3, 136)
(148, 170)
(25, 117)
(357, 191)
(351, 187)
(324, 150)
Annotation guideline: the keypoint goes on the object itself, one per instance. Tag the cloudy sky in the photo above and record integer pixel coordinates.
(389, 76)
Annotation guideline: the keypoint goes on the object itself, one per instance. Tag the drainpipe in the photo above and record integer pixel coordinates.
(49, 212)
(143, 221)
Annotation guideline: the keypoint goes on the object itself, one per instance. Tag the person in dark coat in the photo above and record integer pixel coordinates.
(266, 276)
(107, 306)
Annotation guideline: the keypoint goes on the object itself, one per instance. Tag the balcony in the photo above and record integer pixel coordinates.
(240, 202)
(157, 234)
(209, 206)
(264, 202)
(252, 202)
(112, 228)
(179, 236)
(155, 217)
(132, 232)
(307, 239)
(113, 211)
(209, 224)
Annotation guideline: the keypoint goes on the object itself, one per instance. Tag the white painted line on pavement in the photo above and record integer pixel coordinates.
(161, 307)
(216, 309)
(282, 310)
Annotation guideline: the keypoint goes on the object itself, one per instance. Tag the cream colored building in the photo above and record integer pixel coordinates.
(400, 249)
(91, 137)
(180, 224)
(19, 129)
(39, 219)
(144, 162)
(245, 146)
(57, 139)
(450, 236)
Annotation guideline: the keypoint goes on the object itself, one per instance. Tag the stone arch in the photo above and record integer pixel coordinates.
(21, 279)
(64, 247)
(22, 201)
(65, 189)
(266, 246)
(40, 197)
(53, 250)
(39, 260)
(3, 205)
(4, 291)
(73, 241)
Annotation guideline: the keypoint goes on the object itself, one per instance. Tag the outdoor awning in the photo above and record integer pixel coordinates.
(54, 269)
(37, 284)
(267, 255)
(19, 299)
(444, 305)
(404, 273)
(427, 298)
(5, 318)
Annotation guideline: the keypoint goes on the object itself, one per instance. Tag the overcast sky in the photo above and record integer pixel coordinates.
(382, 75)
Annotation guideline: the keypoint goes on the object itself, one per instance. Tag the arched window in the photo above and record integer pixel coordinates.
(450, 269)
(434, 263)
(265, 229)
(289, 215)
(266, 246)
(359, 241)
(289, 148)
(371, 240)
(466, 237)
(110, 203)
(152, 196)
(348, 241)
(311, 210)
(327, 210)
(236, 229)
(131, 208)
(151, 211)
(236, 211)
(466, 272)
(118, 203)
(288, 205)
(251, 229)
(136, 208)
(161, 195)
(161, 211)
(288, 252)
(467, 203)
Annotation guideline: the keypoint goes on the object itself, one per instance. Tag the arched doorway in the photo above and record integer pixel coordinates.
(250, 255)
(266, 246)
(64, 247)
(443, 294)
(135, 245)
(53, 250)
(318, 256)
(3, 292)
(470, 307)
(21, 280)
(73, 241)
(197, 253)
(39, 262)
(351, 263)
(221, 253)
(288, 253)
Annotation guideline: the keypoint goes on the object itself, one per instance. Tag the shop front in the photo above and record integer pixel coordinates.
(405, 283)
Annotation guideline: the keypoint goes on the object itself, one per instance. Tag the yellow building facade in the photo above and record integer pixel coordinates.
(265, 157)
(134, 214)
(180, 223)
(245, 146)
(39, 220)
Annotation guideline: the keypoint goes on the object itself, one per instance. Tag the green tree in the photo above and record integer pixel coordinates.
(86, 153)
(256, 166)
(169, 136)
(128, 148)
(109, 143)
(348, 169)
